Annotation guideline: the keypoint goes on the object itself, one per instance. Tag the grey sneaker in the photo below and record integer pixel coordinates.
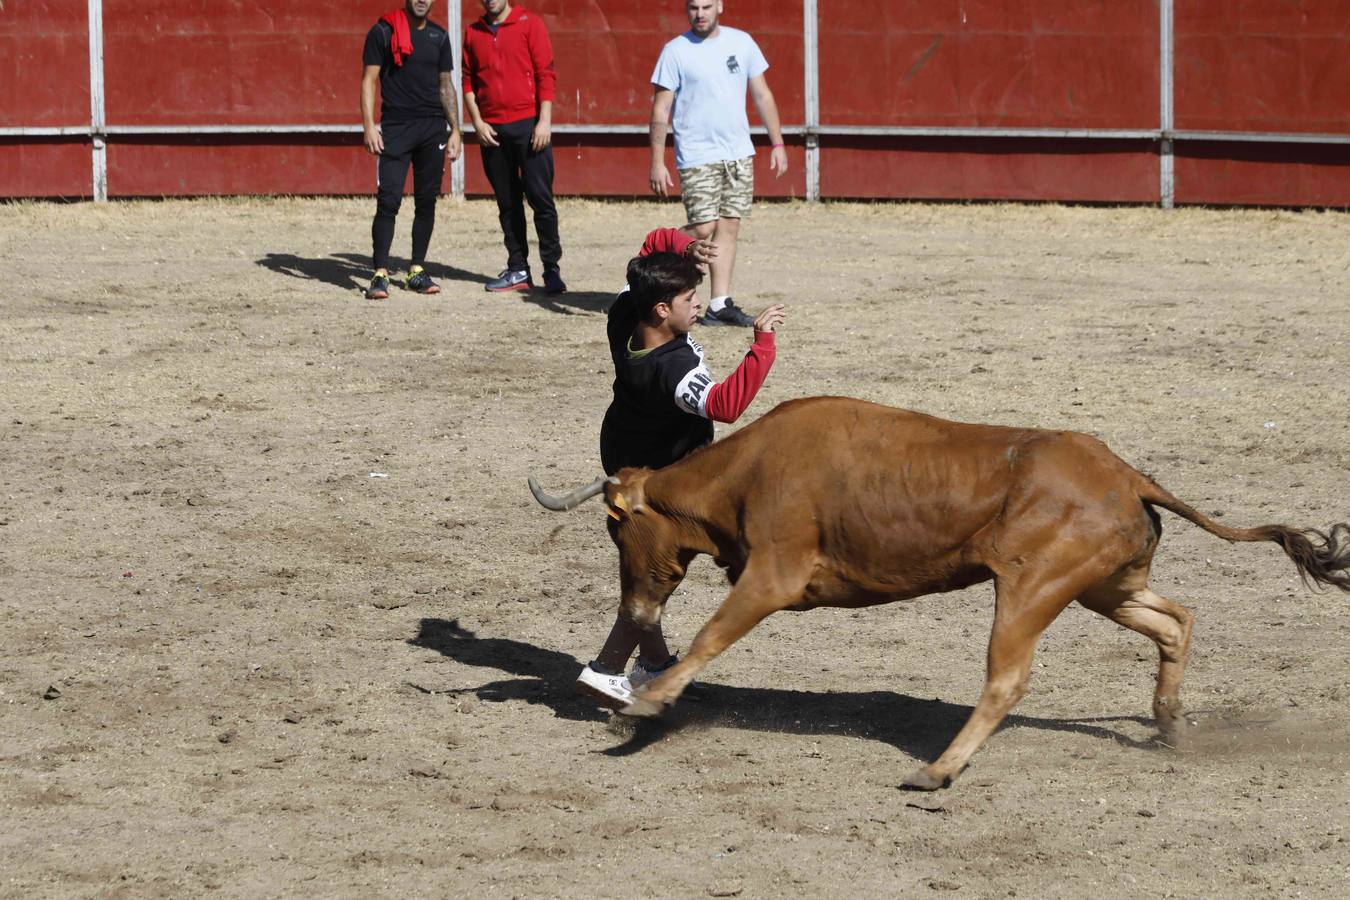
(613, 691)
(730, 314)
(509, 280)
(642, 675)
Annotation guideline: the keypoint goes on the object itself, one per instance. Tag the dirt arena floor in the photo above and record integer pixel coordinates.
(280, 617)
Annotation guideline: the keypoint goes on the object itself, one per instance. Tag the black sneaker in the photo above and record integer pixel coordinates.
(553, 283)
(730, 314)
(418, 280)
(379, 287)
(509, 280)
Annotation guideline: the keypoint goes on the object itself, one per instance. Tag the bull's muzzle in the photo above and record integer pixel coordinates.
(644, 615)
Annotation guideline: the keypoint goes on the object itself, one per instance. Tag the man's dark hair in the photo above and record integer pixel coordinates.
(660, 278)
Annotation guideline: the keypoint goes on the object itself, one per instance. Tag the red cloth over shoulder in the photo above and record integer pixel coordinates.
(400, 42)
(665, 240)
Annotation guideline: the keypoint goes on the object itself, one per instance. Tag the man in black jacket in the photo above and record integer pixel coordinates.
(409, 59)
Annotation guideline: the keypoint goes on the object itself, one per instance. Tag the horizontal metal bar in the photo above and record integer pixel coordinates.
(309, 130)
(356, 129)
(642, 129)
(231, 129)
(591, 129)
(1141, 134)
(1260, 137)
(59, 131)
(1256, 137)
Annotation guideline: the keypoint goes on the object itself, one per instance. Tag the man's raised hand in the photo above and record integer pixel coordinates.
(770, 318)
(702, 251)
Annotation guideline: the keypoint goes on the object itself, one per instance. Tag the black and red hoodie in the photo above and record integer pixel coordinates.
(666, 400)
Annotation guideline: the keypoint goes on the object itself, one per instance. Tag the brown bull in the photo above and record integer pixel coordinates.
(829, 501)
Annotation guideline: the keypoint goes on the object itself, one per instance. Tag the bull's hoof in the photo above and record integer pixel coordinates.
(1167, 739)
(922, 780)
(642, 709)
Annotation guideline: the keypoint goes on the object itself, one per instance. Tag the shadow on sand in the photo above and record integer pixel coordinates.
(349, 271)
(570, 303)
(920, 728)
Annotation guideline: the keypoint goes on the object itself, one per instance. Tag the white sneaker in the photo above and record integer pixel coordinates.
(614, 691)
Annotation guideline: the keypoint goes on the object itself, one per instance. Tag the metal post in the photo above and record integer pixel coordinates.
(98, 118)
(1166, 118)
(455, 13)
(811, 97)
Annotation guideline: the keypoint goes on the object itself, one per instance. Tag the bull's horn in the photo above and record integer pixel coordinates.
(567, 501)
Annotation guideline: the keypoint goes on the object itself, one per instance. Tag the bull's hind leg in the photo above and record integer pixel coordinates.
(761, 590)
(1127, 600)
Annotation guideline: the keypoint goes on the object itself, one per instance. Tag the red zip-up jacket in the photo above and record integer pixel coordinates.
(509, 72)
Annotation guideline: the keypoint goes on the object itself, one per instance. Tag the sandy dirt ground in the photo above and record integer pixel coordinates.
(281, 618)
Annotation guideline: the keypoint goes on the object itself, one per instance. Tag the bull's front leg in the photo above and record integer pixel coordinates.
(1022, 612)
(750, 601)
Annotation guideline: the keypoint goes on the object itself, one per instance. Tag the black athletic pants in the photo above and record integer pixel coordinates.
(420, 143)
(516, 174)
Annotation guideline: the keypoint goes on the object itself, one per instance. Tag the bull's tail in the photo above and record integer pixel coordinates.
(1321, 557)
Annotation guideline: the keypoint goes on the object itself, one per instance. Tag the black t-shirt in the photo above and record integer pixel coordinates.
(654, 419)
(412, 90)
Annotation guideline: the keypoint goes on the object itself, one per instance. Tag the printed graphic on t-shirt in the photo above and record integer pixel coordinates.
(691, 395)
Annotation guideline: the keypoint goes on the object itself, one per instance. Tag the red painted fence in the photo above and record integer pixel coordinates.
(941, 99)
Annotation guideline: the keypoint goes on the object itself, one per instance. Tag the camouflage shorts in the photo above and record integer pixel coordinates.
(718, 190)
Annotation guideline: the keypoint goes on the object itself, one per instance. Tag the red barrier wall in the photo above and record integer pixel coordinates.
(989, 169)
(194, 62)
(1251, 65)
(1010, 63)
(44, 64)
(1255, 65)
(44, 83)
(989, 63)
(45, 167)
(253, 164)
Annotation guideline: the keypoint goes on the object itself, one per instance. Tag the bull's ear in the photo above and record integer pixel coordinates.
(617, 507)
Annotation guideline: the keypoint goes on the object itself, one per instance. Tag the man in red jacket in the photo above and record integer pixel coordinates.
(508, 90)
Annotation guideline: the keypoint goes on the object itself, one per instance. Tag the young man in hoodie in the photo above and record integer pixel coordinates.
(509, 84)
(408, 61)
(665, 403)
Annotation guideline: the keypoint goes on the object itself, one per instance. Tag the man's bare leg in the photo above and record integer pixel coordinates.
(724, 236)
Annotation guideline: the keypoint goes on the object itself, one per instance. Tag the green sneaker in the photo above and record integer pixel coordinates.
(418, 280)
(379, 286)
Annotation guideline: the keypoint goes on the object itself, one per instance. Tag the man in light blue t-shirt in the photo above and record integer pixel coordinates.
(703, 75)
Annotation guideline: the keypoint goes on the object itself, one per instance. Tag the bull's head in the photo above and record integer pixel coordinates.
(651, 562)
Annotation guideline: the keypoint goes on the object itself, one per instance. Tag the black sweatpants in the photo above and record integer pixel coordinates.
(420, 143)
(519, 174)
